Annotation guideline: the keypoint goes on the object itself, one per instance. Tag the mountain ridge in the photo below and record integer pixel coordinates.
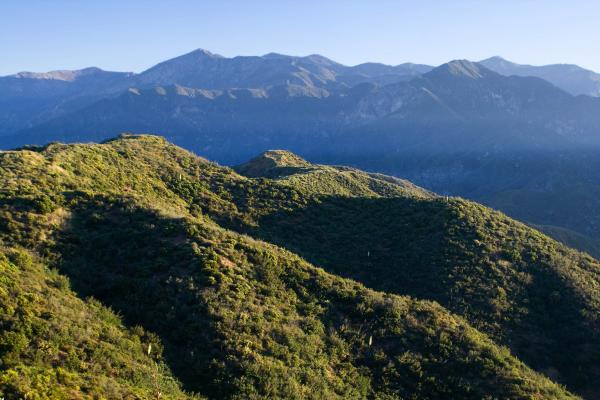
(569, 77)
(64, 75)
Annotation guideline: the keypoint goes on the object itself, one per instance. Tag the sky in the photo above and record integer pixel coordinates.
(132, 35)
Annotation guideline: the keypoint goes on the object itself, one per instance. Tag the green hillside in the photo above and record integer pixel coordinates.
(162, 250)
(525, 290)
(54, 345)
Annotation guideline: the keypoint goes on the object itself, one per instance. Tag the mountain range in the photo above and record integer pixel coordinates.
(136, 269)
(30, 98)
(510, 136)
(569, 77)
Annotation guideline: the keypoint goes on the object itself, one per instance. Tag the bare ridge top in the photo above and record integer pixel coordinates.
(269, 161)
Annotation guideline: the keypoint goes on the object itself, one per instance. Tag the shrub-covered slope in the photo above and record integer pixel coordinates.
(150, 231)
(54, 345)
(527, 291)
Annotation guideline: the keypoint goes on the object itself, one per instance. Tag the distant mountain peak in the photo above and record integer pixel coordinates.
(495, 58)
(273, 55)
(192, 57)
(59, 75)
(463, 68)
(315, 58)
(497, 62)
(203, 53)
(319, 59)
(460, 68)
(569, 77)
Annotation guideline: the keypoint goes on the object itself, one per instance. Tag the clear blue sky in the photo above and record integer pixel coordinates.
(133, 35)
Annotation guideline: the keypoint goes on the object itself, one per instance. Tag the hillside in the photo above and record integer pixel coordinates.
(171, 243)
(55, 345)
(522, 288)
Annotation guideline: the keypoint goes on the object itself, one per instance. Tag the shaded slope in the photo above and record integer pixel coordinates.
(238, 318)
(526, 290)
(255, 321)
(55, 346)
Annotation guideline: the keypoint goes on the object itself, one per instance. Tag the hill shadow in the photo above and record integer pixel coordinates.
(379, 242)
(473, 263)
(141, 265)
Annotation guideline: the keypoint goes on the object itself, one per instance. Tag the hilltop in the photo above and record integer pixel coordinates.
(272, 161)
(233, 286)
